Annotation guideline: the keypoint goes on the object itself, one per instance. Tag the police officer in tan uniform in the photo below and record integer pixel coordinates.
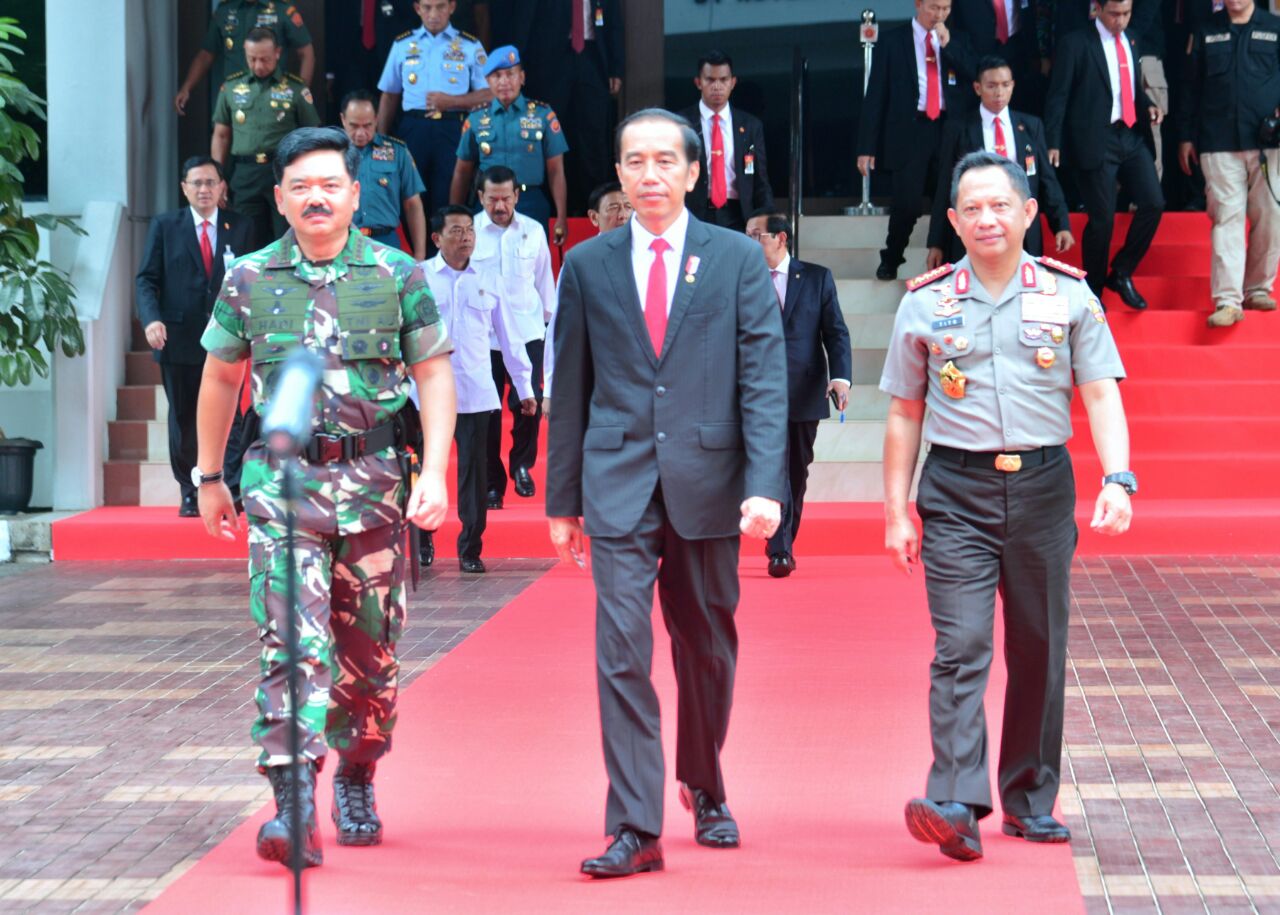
(993, 346)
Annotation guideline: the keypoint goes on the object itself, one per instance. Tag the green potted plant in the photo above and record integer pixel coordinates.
(37, 308)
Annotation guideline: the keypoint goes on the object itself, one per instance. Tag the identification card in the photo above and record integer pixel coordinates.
(1048, 309)
(749, 164)
(1031, 166)
(599, 17)
(951, 77)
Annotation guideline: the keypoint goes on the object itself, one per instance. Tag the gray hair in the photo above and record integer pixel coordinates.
(1017, 177)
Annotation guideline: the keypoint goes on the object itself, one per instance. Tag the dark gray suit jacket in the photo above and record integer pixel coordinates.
(817, 340)
(708, 419)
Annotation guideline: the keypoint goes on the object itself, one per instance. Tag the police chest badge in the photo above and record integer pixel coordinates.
(953, 380)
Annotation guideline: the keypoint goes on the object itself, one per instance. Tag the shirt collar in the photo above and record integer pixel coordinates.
(289, 254)
(642, 238)
(784, 265)
(448, 33)
(438, 264)
(919, 31)
(988, 117)
(707, 114)
(213, 217)
(1105, 34)
(518, 103)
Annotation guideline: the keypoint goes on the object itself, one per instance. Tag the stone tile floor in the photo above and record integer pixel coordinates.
(124, 692)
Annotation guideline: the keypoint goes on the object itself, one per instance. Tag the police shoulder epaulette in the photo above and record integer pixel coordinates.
(925, 278)
(236, 75)
(1058, 265)
(403, 35)
(468, 36)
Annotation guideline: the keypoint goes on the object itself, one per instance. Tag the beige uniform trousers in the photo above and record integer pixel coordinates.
(1157, 89)
(1236, 187)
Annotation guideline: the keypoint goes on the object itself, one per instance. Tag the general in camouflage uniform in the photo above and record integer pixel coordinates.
(368, 313)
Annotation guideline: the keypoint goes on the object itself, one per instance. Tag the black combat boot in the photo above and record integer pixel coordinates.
(273, 837)
(355, 812)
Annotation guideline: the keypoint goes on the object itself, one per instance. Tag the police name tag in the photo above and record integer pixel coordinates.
(957, 321)
(1214, 39)
(1049, 309)
(1264, 36)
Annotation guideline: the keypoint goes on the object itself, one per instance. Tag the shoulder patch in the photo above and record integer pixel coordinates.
(925, 279)
(1062, 268)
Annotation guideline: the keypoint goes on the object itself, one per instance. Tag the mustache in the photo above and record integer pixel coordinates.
(314, 210)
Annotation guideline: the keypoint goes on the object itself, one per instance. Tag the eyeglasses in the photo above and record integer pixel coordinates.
(458, 232)
(202, 184)
(756, 236)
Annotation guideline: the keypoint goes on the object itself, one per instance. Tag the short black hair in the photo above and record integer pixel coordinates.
(200, 162)
(262, 34)
(439, 216)
(601, 192)
(692, 141)
(991, 62)
(984, 159)
(358, 95)
(775, 222)
(297, 143)
(715, 58)
(497, 174)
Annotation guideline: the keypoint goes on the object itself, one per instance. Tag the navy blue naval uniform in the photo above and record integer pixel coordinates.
(421, 63)
(387, 177)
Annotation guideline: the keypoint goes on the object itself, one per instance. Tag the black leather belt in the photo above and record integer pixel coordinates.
(261, 158)
(1007, 461)
(437, 115)
(332, 449)
(377, 230)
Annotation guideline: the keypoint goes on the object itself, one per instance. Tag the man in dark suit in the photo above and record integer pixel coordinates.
(187, 252)
(358, 38)
(733, 176)
(1095, 114)
(819, 365)
(998, 129)
(575, 55)
(1008, 29)
(665, 443)
(920, 73)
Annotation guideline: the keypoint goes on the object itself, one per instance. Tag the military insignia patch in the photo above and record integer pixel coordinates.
(1062, 268)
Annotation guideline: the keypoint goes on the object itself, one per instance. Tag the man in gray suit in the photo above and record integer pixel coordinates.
(666, 442)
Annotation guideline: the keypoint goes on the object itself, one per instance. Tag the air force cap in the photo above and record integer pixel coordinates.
(502, 58)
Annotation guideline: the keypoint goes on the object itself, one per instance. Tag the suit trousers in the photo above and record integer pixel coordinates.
(730, 216)
(1127, 158)
(182, 390)
(988, 532)
(800, 439)
(1236, 188)
(524, 429)
(471, 432)
(910, 180)
(698, 592)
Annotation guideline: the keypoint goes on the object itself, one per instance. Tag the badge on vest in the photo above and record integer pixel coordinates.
(749, 164)
(1049, 309)
(952, 380)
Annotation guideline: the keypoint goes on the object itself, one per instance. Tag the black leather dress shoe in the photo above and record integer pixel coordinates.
(493, 500)
(1128, 292)
(474, 566)
(190, 507)
(714, 825)
(426, 549)
(885, 272)
(629, 853)
(781, 565)
(951, 826)
(1042, 828)
(523, 482)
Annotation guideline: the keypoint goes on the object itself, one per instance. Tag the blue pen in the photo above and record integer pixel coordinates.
(842, 416)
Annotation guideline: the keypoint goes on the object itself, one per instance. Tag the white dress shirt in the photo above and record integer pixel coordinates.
(642, 257)
(588, 21)
(213, 228)
(1011, 16)
(922, 75)
(468, 302)
(520, 256)
(989, 131)
(1113, 67)
(779, 276)
(726, 130)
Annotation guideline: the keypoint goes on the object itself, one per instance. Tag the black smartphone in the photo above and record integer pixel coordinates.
(835, 400)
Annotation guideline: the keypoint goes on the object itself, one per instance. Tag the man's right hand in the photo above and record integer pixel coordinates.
(1187, 156)
(566, 537)
(902, 542)
(218, 511)
(180, 101)
(1055, 157)
(933, 258)
(866, 165)
(156, 334)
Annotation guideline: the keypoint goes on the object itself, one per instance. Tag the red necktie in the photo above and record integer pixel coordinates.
(655, 296)
(932, 85)
(719, 186)
(578, 31)
(1001, 149)
(206, 248)
(1002, 22)
(367, 36)
(1127, 114)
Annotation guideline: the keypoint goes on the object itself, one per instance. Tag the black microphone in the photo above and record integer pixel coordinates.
(286, 427)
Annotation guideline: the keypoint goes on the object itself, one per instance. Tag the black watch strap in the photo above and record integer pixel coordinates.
(1125, 479)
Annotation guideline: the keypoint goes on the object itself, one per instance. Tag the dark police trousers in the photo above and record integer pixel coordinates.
(1126, 157)
(524, 429)
(1015, 533)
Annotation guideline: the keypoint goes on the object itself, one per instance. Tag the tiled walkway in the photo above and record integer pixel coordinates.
(125, 704)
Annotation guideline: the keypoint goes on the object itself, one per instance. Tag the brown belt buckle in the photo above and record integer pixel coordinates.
(1009, 463)
(260, 158)
(434, 115)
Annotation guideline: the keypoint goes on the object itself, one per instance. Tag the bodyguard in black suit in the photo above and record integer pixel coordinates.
(176, 284)
(819, 365)
(1019, 137)
(920, 74)
(1007, 29)
(1095, 114)
(358, 38)
(746, 176)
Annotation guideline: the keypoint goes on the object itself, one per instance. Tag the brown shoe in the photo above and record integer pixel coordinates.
(1225, 316)
(1260, 301)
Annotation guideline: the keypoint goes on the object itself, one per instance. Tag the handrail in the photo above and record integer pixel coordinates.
(799, 67)
(869, 33)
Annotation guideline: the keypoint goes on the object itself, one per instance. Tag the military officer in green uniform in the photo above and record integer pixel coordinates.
(229, 26)
(523, 135)
(994, 346)
(366, 310)
(389, 182)
(255, 109)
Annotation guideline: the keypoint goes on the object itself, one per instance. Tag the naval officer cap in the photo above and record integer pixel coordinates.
(502, 58)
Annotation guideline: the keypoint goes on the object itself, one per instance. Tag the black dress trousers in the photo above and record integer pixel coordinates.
(471, 433)
(182, 390)
(911, 180)
(800, 439)
(524, 429)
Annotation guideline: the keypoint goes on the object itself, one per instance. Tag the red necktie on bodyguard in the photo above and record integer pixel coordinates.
(719, 184)
(1127, 112)
(368, 37)
(1001, 148)
(655, 296)
(578, 29)
(932, 84)
(206, 248)
(1002, 21)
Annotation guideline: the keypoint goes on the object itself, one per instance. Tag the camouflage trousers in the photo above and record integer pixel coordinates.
(351, 611)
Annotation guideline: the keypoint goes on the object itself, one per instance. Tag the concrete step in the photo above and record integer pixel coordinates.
(139, 483)
(140, 368)
(866, 402)
(142, 401)
(868, 364)
(869, 296)
(869, 331)
(861, 263)
(851, 232)
(138, 440)
(848, 481)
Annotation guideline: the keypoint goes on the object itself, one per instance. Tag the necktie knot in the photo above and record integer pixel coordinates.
(659, 246)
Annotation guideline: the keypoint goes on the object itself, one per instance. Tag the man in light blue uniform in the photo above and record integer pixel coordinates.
(522, 134)
(389, 182)
(432, 78)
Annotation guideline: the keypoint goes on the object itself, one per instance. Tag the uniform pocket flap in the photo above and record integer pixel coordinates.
(717, 436)
(603, 438)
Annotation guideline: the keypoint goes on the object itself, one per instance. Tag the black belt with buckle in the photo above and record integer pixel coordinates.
(261, 158)
(332, 449)
(376, 230)
(437, 115)
(1006, 461)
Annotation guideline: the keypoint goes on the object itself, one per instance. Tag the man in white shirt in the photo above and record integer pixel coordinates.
(514, 248)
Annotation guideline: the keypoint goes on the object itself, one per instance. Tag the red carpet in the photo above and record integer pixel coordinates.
(496, 788)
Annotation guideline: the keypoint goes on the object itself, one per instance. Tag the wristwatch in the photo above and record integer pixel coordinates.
(1125, 479)
(199, 479)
